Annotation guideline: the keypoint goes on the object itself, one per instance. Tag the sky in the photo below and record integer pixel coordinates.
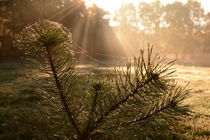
(112, 5)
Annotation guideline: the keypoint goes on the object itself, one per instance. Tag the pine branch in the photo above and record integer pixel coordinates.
(58, 85)
(116, 106)
(48, 44)
(146, 73)
(96, 89)
(160, 106)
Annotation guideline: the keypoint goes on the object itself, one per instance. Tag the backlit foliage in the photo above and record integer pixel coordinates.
(124, 105)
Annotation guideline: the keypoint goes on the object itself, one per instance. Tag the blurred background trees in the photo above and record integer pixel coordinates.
(88, 25)
(179, 29)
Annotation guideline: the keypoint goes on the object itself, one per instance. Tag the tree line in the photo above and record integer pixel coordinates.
(183, 28)
(178, 28)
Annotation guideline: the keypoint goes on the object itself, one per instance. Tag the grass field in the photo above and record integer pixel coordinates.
(22, 108)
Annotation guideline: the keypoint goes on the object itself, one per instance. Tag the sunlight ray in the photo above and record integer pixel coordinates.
(61, 14)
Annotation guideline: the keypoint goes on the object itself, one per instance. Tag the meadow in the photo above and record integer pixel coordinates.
(23, 108)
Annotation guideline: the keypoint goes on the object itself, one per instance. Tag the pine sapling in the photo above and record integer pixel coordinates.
(142, 92)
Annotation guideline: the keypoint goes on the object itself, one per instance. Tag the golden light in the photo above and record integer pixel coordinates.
(89, 3)
(84, 29)
(107, 5)
(112, 5)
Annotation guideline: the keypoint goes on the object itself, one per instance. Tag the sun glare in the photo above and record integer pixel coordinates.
(89, 3)
(112, 5)
(108, 5)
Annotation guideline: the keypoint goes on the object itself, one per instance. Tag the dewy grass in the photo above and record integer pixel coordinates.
(28, 119)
